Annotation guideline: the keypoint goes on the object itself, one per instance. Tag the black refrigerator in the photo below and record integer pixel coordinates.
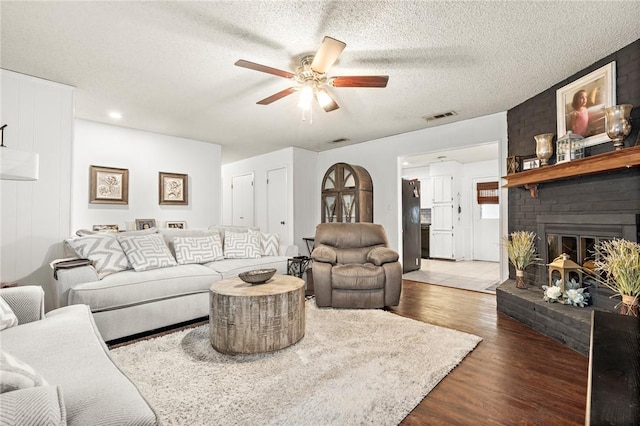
(411, 241)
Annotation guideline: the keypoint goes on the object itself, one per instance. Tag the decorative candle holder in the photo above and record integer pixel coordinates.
(544, 148)
(617, 123)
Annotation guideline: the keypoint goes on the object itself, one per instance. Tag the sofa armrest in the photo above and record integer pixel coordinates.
(26, 302)
(288, 250)
(68, 278)
(324, 254)
(34, 406)
(381, 255)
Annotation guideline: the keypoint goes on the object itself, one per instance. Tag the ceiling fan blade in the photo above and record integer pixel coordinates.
(263, 68)
(281, 94)
(360, 81)
(327, 54)
(326, 101)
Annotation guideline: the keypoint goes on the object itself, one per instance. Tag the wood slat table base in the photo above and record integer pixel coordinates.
(249, 319)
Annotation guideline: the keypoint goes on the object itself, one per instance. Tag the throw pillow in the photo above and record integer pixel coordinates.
(242, 245)
(7, 318)
(146, 251)
(15, 374)
(104, 250)
(198, 249)
(270, 244)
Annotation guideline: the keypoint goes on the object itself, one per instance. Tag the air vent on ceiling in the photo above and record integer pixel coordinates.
(441, 115)
(340, 140)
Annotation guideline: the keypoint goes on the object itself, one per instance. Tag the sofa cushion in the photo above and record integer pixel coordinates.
(16, 374)
(270, 244)
(129, 288)
(229, 268)
(242, 245)
(357, 277)
(146, 252)
(104, 250)
(7, 317)
(198, 249)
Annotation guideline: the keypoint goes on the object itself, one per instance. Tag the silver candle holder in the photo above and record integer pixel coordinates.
(617, 123)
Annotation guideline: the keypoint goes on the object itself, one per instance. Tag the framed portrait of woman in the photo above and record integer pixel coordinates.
(580, 105)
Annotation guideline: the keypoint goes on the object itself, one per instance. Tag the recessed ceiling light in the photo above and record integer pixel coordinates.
(405, 163)
(115, 115)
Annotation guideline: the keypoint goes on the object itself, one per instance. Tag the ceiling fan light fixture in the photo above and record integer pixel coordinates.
(306, 96)
(323, 98)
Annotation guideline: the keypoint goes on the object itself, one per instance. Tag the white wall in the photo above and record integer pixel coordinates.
(382, 161)
(35, 215)
(145, 154)
(302, 189)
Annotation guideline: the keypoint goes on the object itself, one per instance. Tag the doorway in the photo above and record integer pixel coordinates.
(242, 200)
(277, 203)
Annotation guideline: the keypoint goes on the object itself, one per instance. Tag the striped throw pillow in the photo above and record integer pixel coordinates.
(270, 244)
(104, 250)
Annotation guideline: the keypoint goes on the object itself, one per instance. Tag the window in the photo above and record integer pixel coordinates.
(487, 192)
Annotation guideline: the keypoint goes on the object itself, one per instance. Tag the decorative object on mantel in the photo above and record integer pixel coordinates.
(530, 163)
(569, 147)
(580, 104)
(619, 262)
(617, 123)
(521, 249)
(16, 164)
(544, 148)
(513, 165)
(562, 270)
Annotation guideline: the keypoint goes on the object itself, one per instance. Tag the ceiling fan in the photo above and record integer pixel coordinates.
(311, 76)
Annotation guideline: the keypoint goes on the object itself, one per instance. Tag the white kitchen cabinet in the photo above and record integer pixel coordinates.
(442, 189)
(441, 245)
(442, 217)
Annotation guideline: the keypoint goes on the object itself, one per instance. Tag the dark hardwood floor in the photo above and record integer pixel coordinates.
(514, 376)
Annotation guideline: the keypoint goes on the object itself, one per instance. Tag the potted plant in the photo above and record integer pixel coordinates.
(619, 262)
(521, 249)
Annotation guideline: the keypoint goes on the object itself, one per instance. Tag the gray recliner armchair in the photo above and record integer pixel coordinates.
(353, 266)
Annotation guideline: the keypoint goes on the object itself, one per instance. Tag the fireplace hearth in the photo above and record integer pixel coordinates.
(575, 235)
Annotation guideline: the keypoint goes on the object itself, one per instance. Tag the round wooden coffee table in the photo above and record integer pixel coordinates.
(249, 319)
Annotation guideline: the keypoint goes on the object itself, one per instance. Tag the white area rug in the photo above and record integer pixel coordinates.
(352, 367)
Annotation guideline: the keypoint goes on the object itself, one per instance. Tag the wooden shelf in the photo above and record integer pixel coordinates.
(609, 161)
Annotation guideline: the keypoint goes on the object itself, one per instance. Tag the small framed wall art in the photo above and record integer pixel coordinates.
(108, 185)
(176, 225)
(173, 189)
(145, 224)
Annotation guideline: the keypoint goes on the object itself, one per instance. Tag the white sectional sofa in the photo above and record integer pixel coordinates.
(127, 301)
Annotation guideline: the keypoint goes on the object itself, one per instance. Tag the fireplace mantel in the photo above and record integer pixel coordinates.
(609, 161)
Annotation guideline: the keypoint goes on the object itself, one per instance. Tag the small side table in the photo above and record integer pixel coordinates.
(298, 265)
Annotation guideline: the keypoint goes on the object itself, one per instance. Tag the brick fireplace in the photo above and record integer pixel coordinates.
(571, 214)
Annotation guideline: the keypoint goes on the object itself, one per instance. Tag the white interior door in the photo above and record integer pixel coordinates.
(486, 227)
(277, 203)
(242, 203)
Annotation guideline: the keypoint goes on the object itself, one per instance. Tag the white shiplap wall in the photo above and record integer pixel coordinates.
(35, 215)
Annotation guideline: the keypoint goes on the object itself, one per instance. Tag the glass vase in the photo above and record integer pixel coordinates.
(544, 148)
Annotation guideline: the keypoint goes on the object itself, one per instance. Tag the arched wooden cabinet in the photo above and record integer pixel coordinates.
(347, 194)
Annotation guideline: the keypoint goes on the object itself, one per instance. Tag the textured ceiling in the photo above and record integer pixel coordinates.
(169, 66)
